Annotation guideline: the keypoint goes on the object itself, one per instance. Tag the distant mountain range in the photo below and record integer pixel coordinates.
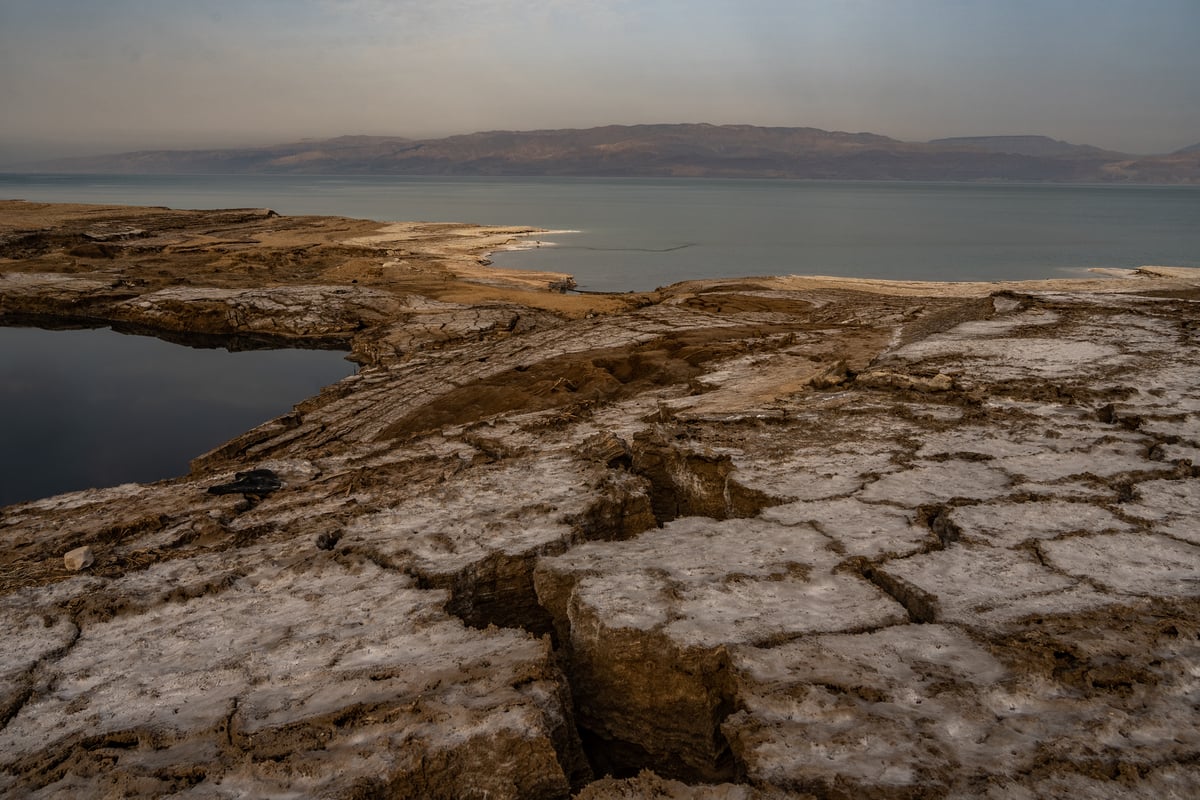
(684, 150)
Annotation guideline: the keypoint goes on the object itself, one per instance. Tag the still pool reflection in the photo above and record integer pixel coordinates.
(89, 408)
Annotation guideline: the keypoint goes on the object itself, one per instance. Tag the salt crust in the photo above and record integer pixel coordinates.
(1131, 563)
(710, 583)
(175, 674)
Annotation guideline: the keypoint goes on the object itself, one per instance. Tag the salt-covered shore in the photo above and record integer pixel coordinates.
(779, 537)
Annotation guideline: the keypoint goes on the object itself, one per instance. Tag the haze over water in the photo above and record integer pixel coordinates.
(638, 234)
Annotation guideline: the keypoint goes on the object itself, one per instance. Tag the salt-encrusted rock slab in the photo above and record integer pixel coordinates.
(296, 311)
(647, 623)
(1172, 507)
(1012, 524)
(871, 713)
(927, 711)
(1130, 563)
(857, 528)
(971, 585)
(321, 679)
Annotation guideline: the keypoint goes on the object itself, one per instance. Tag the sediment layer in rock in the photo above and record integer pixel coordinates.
(782, 537)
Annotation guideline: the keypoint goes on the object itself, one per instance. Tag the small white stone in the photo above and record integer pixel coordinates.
(79, 558)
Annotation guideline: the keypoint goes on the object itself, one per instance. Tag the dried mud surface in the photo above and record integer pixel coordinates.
(731, 540)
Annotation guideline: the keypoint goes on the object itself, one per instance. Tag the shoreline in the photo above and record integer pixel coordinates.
(360, 268)
(703, 537)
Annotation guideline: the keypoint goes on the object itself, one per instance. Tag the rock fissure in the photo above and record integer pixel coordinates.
(686, 483)
(921, 606)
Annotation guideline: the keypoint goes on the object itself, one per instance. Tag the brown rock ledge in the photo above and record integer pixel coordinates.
(757, 538)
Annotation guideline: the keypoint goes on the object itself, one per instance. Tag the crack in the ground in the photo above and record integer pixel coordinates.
(688, 483)
(921, 606)
(28, 679)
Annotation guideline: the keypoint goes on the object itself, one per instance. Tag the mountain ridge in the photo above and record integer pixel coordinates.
(1032, 145)
(669, 150)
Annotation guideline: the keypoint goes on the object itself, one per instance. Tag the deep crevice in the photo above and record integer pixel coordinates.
(683, 740)
(686, 483)
(496, 591)
(499, 590)
(20, 698)
(665, 481)
(921, 606)
(937, 519)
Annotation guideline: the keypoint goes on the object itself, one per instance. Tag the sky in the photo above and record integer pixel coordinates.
(81, 77)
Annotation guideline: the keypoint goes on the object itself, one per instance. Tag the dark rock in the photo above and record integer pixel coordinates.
(255, 482)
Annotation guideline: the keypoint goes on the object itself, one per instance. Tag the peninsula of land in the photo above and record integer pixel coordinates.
(756, 538)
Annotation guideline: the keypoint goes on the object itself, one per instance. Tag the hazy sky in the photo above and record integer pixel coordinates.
(87, 76)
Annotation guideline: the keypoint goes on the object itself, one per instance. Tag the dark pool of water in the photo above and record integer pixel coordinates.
(90, 408)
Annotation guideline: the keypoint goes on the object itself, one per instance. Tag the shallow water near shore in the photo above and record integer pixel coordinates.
(93, 408)
(634, 234)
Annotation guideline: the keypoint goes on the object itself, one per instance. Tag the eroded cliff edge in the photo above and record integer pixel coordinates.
(774, 537)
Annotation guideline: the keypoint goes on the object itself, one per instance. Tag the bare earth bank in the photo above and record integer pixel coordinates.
(778, 537)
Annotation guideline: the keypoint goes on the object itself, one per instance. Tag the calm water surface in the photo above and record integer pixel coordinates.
(91, 408)
(636, 234)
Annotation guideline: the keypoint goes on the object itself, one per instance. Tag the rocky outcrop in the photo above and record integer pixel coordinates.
(776, 538)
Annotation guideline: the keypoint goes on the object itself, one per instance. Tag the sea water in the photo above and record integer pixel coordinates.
(634, 234)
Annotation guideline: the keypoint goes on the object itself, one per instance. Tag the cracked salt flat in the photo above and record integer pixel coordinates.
(1082, 490)
(1046, 453)
(984, 350)
(1038, 429)
(714, 582)
(1173, 389)
(880, 708)
(983, 440)
(178, 675)
(934, 413)
(858, 528)
(938, 482)
(692, 551)
(38, 627)
(1017, 359)
(1182, 426)
(816, 474)
(1011, 524)
(504, 511)
(1105, 460)
(1133, 333)
(1131, 563)
(965, 582)
(1173, 506)
(758, 611)
(897, 659)
(1003, 324)
(1179, 450)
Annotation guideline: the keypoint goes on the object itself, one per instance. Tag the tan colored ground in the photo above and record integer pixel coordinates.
(252, 248)
(736, 540)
